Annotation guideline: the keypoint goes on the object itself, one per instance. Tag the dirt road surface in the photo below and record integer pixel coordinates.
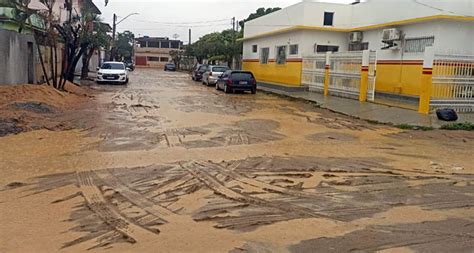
(166, 164)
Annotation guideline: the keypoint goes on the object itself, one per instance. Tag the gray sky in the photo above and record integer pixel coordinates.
(169, 17)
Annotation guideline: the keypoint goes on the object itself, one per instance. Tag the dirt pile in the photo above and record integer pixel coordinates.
(31, 107)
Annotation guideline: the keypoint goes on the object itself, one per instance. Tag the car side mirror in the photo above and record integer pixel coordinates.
(129, 69)
(98, 68)
(221, 76)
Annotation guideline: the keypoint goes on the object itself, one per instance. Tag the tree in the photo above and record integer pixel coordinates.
(177, 56)
(125, 42)
(97, 39)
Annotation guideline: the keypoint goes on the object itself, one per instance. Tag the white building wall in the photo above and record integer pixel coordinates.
(285, 39)
(323, 38)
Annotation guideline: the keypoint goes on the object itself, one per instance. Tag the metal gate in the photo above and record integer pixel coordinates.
(313, 72)
(453, 82)
(344, 73)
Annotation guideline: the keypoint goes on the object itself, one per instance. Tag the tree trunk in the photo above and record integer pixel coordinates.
(86, 59)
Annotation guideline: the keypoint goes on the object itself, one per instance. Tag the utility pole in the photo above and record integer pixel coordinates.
(190, 42)
(114, 30)
(233, 24)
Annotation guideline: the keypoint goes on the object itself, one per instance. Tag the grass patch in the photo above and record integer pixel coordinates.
(412, 127)
(466, 126)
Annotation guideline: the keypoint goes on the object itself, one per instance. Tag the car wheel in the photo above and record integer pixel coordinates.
(192, 78)
(126, 81)
(217, 86)
(254, 91)
(226, 89)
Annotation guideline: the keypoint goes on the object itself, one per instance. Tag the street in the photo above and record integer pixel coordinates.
(166, 164)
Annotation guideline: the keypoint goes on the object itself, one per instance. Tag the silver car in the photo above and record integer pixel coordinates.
(212, 74)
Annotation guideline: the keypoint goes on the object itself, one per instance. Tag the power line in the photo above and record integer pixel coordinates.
(178, 23)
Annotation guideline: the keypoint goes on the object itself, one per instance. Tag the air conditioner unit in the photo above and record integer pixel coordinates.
(355, 37)
(391, 34)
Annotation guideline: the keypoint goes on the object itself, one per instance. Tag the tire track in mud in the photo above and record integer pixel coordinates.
(295, 211)
(106, 212)
(136, 198)
(230, 172)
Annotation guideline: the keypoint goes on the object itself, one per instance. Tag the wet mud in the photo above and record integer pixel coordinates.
(166, 163)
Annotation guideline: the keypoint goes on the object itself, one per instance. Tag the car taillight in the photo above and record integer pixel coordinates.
(229, 81)
(254, 82)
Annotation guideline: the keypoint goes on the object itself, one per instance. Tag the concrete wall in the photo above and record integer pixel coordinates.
(14, 61)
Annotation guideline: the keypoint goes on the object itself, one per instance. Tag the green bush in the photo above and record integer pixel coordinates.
(467, 126)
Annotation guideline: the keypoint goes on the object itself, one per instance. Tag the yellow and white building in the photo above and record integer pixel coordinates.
(398, 30)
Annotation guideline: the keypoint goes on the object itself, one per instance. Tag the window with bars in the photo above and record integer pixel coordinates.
(418, 45)
(264, 55)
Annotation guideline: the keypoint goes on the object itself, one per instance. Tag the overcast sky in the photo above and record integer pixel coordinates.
(165, 18)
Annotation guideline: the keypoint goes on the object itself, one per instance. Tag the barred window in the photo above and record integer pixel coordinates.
(281, 55)
(164, 59)
(264, 55)
(254, 48)
(418, 45)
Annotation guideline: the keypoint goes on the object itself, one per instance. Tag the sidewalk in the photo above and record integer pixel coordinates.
(369, 111)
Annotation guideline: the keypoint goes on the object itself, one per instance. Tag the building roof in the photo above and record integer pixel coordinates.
(93, 7)
(146, 38)
(372, 14)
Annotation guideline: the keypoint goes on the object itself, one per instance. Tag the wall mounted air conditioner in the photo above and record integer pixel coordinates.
(356, 37)
(391, 34)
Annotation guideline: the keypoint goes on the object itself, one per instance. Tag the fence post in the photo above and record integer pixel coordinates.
(326, 74)
(364, 76)
(426, 81)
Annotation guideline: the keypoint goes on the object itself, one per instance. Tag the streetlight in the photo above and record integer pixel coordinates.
(114, 29)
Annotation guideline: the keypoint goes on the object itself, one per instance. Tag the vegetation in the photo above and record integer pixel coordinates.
(124, 49)
(76, 33)
(467, 126)
(223, 46)
(97, 39)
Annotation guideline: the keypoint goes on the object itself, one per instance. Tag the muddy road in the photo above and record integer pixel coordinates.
(166, 164)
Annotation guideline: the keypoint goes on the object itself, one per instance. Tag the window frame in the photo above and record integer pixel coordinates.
(317, 51)
(328, 19)
(254, 48)
(277, 52)
(297, 49)
(262, 60)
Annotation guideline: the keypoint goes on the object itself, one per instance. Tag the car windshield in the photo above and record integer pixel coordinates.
(202, 68)
(117, 66)
(242, 76)
(220, 69)
(170, 65)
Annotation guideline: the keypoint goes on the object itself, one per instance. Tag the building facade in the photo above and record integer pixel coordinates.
(399, 31)
(154, 52)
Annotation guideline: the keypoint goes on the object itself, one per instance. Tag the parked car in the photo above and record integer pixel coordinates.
(113, 72)
(130, 65)
(212, 74)
(170, 67)
(198, 71)
(234, 80)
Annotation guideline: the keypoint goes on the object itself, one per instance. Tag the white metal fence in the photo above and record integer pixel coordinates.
(313, 72)
(453, 82)
(344, 74)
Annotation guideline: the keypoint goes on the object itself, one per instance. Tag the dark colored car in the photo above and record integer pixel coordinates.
(199, 71)
(170, 67)
(130, 65)
(234, 80)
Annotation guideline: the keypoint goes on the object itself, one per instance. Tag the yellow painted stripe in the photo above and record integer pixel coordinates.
(362, 28)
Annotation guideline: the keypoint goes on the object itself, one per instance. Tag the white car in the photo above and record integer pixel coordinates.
(212, 74)
(113, 72)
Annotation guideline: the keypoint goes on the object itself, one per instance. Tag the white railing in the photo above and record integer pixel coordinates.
(313, 72)
(453, 82)
(372, 76)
